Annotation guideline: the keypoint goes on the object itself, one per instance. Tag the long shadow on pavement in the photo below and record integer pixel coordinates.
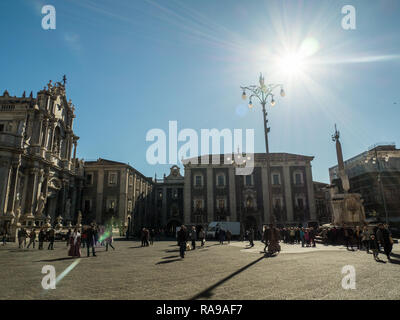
(208, 292)
(58, 259)
(168, 261)
(170, 257)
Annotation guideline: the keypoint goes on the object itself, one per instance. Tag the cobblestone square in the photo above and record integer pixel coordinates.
(214, 272)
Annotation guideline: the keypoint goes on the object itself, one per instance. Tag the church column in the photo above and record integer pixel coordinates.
(210, 194)
(187, 198)
(99, 199)
(32, 191)
(12, 192)
(310, 193)
(288, 193)
(265, 192)
(5, 174)
(164, 213)
(232, 195)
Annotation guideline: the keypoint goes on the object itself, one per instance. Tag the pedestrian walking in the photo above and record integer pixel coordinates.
(222, 236)
(373, 246)
(384, 238)
(152, 235)
(22, 234)
(91, 240)
(302, 238)
(202, 236)
(75, 244)
(358, 237)
(109, 239)
(68, 236)
(228, 236)
(312, 236)
(193, 237)
(251, 237)
(182, 238)
(4, 239)
(41, 237)
(51, 238)
(32, 238)
(365, 238)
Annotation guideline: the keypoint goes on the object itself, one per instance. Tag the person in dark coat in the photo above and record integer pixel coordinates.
(385, 240)
(42, 236)
(91, 235)
(51, 235)
(373, 246)
(182, 238)
(251, 237)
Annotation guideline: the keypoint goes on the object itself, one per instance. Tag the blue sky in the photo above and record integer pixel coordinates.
(135, 65)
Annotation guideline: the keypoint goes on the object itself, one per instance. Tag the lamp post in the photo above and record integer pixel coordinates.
(375, 160)
(262, 92)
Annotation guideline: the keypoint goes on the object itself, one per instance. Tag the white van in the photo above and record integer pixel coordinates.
(233, 227)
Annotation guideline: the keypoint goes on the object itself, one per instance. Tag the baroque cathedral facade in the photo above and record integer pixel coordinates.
(40, 177)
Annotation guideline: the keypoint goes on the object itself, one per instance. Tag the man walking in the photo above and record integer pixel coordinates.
(51, 235)
(193, 237)
(32, 238)
(91, 240)
(41, 239)
(182, 238)
(385, 239)
(22, 238)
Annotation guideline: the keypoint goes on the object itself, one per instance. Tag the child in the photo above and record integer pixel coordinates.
(373, 245)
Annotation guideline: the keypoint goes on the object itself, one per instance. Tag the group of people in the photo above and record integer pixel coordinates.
(223, 235)
(362, 238)
(183, 235)
(90, 237)
(297, 235)
(43, 235)
(147, 237)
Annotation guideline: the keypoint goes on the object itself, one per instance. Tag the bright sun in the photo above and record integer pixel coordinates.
(292, 64)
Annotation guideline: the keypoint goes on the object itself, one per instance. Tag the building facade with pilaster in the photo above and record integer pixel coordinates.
(116, 193)
(214, 192)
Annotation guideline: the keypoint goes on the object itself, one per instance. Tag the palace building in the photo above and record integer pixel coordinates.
(213, 192)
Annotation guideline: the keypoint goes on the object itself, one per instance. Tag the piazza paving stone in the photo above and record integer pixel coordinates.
(227, 272)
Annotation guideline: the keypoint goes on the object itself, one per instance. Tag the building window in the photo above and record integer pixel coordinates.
(175, 193)
(111, 204)
(198, 181)
(276, 179)
(130, 205)
(220, 180)
(112, 178)
(130, 180)
(160, 194)
(221, 204)
(89, 178)
(248, 181)
(198, 204)
(1, 127)
(277, 203)
(298, 178)
(249, 202)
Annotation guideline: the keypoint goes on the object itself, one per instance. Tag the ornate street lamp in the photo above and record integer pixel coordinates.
(262, 92)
